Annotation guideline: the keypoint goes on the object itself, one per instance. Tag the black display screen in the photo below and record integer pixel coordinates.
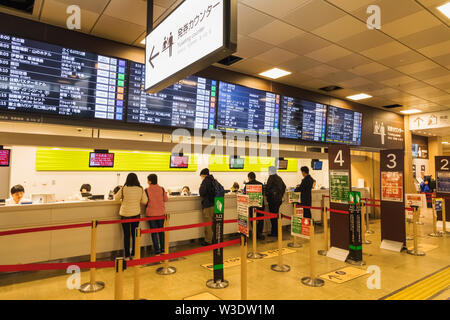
(291, 118)
(48, 79)
(344, 126)
(190, 103)
(246, 110)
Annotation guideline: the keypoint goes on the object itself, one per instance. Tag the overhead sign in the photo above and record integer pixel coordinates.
(195, 35)
(429, 120)
(389, 132)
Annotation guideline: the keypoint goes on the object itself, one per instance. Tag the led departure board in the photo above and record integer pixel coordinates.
(190, 103)
(49, 79)
(344, 126)
(302, 119)
(246, 110)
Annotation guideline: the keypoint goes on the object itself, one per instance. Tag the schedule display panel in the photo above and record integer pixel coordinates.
(302, 119)
(246, 110)
(190, 103)
(37, 77)
(344, 126)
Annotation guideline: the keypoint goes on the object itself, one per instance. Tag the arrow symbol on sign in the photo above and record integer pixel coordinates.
(153, 57)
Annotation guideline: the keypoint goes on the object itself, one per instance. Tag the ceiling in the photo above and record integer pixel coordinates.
(322, 42)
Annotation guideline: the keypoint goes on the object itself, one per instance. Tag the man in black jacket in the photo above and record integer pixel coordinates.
(275, 189)
(260, 223)
(207, 193)
(305, 188)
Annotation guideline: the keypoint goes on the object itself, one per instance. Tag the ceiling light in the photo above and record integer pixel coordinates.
(143, 41)
(360, 96)
(275, 73)
(412, 111)
(445, 142)
(445, 9)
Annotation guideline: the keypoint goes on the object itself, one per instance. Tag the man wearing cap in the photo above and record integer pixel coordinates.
(275, 189)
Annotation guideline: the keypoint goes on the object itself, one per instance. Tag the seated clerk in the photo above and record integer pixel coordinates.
(305, 188)
(85, 191)
(17, 198)
(260, 223)
(186, 191)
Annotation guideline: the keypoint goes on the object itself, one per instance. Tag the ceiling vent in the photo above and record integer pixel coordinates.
(330, 88)
(228, 61)
(393, 106)
(20, 5)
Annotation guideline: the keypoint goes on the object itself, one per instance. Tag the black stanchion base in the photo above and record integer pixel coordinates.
(282, 268)
(294, 245)
(166, 271)
(255, 255)
(308, 281)
(416, 253)
(89, 288)
(356, 263)
(217, 284)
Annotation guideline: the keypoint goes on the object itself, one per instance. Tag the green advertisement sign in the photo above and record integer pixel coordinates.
(339, 186)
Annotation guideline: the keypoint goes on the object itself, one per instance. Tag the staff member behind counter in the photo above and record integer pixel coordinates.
(17, 193)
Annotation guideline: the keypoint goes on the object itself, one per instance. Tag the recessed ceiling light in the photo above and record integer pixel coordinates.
(445, 9)
(143, 41)
(275, 73)
(360, 96)
(445, 142)
(412, 111)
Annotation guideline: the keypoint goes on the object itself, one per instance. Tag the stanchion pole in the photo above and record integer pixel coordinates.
(435, 233)
(243, 267)
(280, 267)
(118, 283)
(254, 254)
(368, 230)
(363, 223)
(325, 231)
(312, 281)
(137, 256)
(92, 285)
(415, 251)
(408, 222)
(166, 269)
(294, 243)
(444, 218)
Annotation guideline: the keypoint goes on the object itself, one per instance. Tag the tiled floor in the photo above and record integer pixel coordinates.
(397, 270)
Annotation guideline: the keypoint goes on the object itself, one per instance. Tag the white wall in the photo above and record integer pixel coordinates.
(419, 163)
(66, 184)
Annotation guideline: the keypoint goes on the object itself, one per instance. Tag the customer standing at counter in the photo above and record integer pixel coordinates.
(208, 193)
(260, 223)
(305, 188)
(275, 189)
(157, 197)
(17, 193)
(132, 196)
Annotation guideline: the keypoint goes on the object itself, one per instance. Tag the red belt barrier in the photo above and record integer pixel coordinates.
(175, 255)
(373, 205)
(372, 200)
(409, 209)
(306, 207)
(132, 220)
(40, 229)
(189, 226)
(56, 266)
(338, 211)
(287, 217)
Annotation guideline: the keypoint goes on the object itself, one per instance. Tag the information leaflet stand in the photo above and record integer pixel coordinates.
(340, 186)
(356, 256)
(442, 165)
(218, 282)
(393, 228)
(243, 228)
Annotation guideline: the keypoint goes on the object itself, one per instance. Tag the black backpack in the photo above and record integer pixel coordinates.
(219, 190)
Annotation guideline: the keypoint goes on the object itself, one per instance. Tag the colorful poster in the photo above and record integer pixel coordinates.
(255, 196)
(339, 186)
(242, 213)
(392, 186)
(294, 197)
(417, 200)
(300, 226)
(443, 182)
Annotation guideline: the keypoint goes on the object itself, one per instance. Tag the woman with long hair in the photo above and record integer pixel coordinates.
(132, 196)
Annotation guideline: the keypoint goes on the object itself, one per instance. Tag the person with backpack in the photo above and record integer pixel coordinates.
(275, 189)
(209, 189)
(157, 197)
(132, 196)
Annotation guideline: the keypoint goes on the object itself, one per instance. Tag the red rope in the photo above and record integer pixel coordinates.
(41, 229)
(287, 217)
(338, 211)
(132, 220)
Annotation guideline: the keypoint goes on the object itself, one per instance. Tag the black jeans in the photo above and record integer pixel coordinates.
(157, 238)
(129, 231)
(274, 207)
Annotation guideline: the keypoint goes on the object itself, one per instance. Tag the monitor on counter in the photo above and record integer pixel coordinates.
(5, 156)
(316, 165)
(237, 163)
(282, 164)
(101, 160)
(179, 162)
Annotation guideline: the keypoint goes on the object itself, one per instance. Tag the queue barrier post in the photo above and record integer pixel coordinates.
(435, 233)
(243, 267)
(444, 217)
(415, 251)
(137, 269)
(312, 281)
(294, 243)
(325, 231)
(408, 232)
(166, 269)
(118, 282)
(254, 254)
(280, 267)
(363, 223)
(93, 285)
(367, 217)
